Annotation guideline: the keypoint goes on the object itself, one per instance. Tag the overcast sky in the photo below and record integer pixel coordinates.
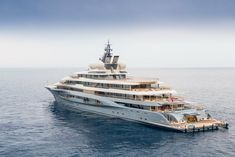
(146, 33)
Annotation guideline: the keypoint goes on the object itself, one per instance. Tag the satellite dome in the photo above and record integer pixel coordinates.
(121, 66)
(97, 66)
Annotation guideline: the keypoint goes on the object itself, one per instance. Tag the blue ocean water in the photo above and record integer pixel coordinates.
(32, 125)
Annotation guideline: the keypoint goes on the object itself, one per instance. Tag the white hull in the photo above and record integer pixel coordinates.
(119, 111)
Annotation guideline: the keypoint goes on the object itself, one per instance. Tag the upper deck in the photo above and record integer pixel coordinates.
(110, 72)
(117, 80)
(110, 77)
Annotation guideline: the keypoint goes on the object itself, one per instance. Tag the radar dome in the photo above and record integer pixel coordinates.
(98, 66)
(121, 66)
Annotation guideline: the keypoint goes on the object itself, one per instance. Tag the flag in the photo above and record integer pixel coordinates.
(170, 99)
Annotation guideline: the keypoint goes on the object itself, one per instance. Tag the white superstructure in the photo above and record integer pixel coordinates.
(106, 89)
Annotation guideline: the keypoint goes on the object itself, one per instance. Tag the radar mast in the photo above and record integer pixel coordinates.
(108, 59)
(107, 55)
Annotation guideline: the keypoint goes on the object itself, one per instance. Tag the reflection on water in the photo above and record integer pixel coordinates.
(105, 133)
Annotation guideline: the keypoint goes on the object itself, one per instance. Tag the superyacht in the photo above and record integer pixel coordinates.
(107, 89)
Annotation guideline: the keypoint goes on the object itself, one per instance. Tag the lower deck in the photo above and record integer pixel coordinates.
(203, 125)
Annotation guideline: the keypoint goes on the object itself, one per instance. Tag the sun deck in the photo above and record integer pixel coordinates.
(124, 81)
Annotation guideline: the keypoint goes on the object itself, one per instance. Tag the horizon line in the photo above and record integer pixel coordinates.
(132, 67)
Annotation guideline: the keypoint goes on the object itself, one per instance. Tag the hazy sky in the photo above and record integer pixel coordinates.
(146, 33)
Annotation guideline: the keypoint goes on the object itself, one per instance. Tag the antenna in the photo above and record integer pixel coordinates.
(108, 49)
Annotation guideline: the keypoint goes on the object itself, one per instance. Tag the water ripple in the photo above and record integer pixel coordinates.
(31, 124)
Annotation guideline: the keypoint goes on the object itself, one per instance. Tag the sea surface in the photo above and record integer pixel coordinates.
(31, 124)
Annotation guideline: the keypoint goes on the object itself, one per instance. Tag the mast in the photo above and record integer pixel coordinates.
(107, 55)
(110, 61)
(108, 48)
